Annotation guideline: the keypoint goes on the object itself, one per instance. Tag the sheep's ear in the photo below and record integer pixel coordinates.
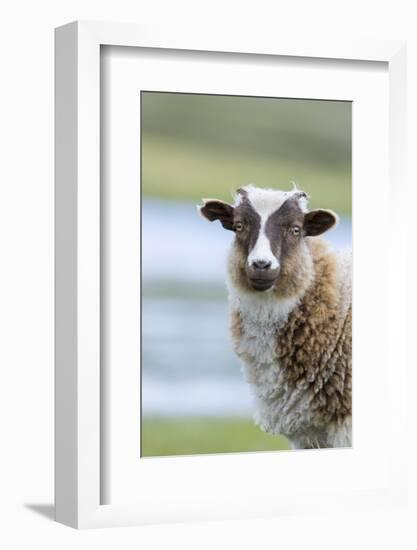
(317, 222)
(217, 210)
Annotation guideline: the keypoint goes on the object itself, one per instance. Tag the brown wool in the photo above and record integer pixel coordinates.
(314, 347)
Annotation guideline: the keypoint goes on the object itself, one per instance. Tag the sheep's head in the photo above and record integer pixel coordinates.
(270, 228)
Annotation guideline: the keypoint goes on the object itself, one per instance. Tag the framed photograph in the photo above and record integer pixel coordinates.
(228, 341)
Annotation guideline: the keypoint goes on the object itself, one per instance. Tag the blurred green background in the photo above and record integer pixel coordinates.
(194, 398)
(204, 435)
(195, 144)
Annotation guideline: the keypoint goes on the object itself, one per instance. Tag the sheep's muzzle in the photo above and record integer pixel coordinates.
(261, 279)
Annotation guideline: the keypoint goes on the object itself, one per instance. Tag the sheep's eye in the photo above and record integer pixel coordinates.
(296, 231)
(238, 226)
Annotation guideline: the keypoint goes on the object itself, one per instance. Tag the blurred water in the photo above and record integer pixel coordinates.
(188, 364)
(188, 367)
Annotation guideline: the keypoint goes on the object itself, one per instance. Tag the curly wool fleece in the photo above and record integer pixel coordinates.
(297, 350)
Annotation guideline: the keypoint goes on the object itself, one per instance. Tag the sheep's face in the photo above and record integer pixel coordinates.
(270, 229)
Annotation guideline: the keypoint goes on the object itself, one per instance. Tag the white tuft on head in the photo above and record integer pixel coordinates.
(267, 201)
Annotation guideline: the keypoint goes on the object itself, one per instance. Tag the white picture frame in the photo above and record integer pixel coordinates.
(78, 291)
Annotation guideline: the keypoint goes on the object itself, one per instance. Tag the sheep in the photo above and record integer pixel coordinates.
(290, 314)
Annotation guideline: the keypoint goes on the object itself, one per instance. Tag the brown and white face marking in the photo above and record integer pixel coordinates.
(270, 227)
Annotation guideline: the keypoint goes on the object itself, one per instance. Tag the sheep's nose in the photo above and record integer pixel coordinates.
(261, 264)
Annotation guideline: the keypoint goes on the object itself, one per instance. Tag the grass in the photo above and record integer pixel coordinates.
(188, 436)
